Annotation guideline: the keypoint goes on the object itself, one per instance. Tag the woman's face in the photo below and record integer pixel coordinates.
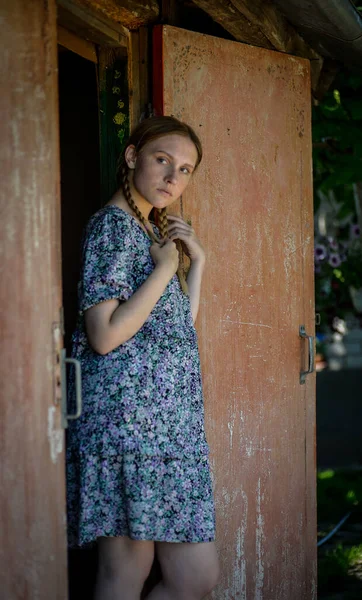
(163, 169)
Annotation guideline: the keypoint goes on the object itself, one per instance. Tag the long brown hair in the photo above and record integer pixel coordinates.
(148, 130)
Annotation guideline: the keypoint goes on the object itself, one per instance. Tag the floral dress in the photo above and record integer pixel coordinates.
(137, 458)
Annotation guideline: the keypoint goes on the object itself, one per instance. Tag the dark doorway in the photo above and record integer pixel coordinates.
(79, 167)
(80, 198)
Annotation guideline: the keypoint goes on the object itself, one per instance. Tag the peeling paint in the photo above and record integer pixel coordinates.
(258, 200)
(244, 323)
(259, 575)
(55, 436)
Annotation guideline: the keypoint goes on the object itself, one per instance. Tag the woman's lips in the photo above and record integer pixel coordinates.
(165, 192)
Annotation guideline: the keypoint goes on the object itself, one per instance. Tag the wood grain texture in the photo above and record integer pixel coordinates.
(72, 42)
(33, 544)
(87, 21)
(259, 22)
(129, 13)
(251, 204)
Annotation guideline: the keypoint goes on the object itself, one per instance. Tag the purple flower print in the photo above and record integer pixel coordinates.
(137, 459)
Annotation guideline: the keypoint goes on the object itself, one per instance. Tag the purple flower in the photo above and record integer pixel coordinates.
(320, 252)
(355, 231)
(317, 269)
(334, 259)
(333, 243)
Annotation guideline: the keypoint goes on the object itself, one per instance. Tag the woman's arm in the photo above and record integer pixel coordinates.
(194, 278)
(111, 323)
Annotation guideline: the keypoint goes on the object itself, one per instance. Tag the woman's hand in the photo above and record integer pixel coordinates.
(178, 229)
(165, 254)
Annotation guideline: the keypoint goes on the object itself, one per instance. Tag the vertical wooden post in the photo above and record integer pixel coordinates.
(170, 12)
(32, 500)
(138, 76)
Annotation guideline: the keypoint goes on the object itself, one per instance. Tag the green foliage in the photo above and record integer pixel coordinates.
(333, 567)
(337, 135)
(337, 164)
(338, 493)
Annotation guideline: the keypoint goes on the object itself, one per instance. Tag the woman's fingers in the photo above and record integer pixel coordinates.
(179, 233)
(179, 221)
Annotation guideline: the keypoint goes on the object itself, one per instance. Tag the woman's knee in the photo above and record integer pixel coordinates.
(207, 579)
(191, 570)
(120, 558)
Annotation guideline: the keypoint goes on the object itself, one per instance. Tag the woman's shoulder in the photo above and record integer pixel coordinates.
(109, 215)
(108, 222)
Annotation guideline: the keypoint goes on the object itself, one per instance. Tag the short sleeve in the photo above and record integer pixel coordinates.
(107, 261)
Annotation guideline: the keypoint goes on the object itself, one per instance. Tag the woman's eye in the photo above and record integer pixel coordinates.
(161, 160)
(185, 171)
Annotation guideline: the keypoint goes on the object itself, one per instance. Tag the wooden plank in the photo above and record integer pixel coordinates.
(132, 14)
(32, 501)
(257, 290)
(258, 22)
(170, 12)
(73, 42)
(145, 97)
(134, 79)
(138, 76)
(231, 19)
(264, 14)
(91, 25)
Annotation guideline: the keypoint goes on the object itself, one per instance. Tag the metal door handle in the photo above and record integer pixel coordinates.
(310, 339)
(78, 388)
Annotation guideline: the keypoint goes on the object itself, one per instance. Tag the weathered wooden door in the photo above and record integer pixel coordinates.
(33, 528)
(251, 204)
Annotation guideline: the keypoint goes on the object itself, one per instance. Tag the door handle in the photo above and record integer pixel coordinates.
(78, 388)
(310, 338)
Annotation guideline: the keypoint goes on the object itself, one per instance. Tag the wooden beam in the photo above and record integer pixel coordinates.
(258, 22)
(73, 42)
(264, 14)
(231, 19)
(91, 25)
(132, 14)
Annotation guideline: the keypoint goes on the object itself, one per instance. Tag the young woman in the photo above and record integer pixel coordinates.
(137, 459)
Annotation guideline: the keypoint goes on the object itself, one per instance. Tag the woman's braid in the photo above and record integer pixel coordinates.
(162, 224)
(131, 202)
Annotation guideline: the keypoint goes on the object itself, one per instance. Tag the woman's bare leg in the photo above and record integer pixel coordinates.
(123, 567)
(189, 571)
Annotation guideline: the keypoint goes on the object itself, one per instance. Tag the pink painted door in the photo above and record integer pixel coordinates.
(251, 204)
(32, 496)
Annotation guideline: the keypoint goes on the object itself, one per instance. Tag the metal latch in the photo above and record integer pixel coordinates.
(310, 339)
(78, 388)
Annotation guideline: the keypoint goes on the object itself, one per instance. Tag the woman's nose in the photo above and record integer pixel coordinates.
(171, 176)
